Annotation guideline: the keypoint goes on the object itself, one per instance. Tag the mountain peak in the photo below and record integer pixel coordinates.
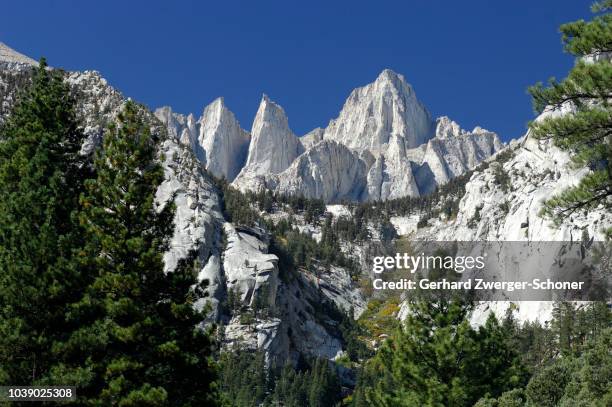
(373, 113)
(396, 80)
(7, 54)
(387, 74)
(270, 111)
(273, 145)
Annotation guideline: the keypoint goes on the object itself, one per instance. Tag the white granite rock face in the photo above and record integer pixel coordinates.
(373, 113)
(180, 127)
(328, 171)
(510, 210)
(312, 138)
(198, 213)
(98, 104)
(247, 267)
(391, 174)
(12, 59)
(286, 325)
(453, 152)
(216, 139)
(222, 141)
(395, 172)
(386, 127)
(273, 146)
(537, 171)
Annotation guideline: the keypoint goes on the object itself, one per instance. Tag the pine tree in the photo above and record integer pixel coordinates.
(438, 359)
(576, 377)
(41, 177)
(324, 385)
(138, 341)
(585, 131)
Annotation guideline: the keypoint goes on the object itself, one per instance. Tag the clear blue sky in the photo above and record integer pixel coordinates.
(471, 60)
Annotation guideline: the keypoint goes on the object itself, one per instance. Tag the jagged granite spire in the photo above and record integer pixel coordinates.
(216, 139)
(273, 146)
(222, 140)
(373, 113)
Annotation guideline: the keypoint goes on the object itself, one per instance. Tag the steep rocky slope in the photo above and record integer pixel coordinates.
(328, 171)
(232, 258)
(9, 56)
(503, 202)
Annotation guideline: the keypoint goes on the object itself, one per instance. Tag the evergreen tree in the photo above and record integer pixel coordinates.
(138, 341)
(324, 385)
(577, 368)
(438, 359)
(585, 132)
(41, 177)
(564, 325)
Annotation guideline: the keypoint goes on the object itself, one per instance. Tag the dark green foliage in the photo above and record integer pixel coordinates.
(573, 327)
(547, 387)
(584, 132)
(501, 177)
(505, 206)
(438, 359)
(237, 206)
(568, 381)
(570, 363)
(137, 341)
(473, 221)
(423, 222)
(512, 398)
(41, 176)
(536, 344)
(591, 382)
(352, 332)
(243, 378)
(245, 381)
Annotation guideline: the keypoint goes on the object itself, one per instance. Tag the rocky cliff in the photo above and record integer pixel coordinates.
(271, 314)
(216, 138)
